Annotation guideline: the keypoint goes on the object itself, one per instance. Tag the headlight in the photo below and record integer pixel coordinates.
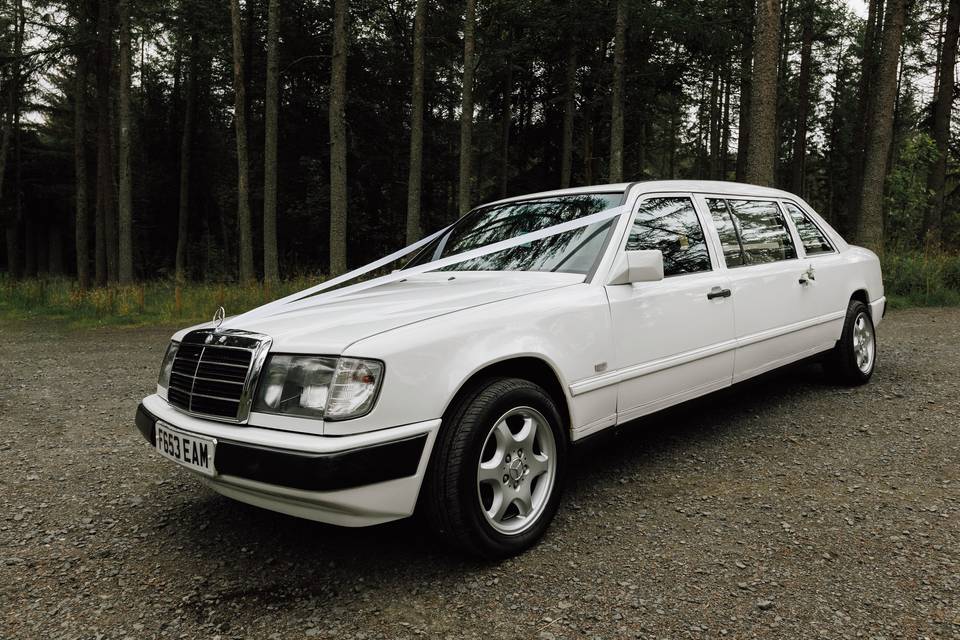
(167, 365)
(318, 387)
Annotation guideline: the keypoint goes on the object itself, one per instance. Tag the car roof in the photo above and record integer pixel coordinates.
(655, 186)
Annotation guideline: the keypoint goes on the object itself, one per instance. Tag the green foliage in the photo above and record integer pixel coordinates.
(919, 279)
(910, 279)
(675, 52)
(907, 194)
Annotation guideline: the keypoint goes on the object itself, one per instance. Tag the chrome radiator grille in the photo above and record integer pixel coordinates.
(214, 373)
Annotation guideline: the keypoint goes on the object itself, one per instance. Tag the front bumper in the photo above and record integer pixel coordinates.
(355, 480)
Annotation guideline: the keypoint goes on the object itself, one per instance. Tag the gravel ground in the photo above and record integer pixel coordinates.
(785, 508)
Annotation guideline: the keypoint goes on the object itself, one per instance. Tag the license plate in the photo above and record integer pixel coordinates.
(193, 452)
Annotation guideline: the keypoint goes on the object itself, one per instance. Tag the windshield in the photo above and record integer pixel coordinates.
(571, 252)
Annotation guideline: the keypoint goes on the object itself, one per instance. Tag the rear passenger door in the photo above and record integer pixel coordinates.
(828, 287)
(772, 306)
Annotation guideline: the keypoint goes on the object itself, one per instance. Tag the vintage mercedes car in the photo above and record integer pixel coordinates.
(457, 384)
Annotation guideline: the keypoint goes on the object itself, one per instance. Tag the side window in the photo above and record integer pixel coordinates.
(814, 241)
(729, 237)
(763, 231)
(671, 225)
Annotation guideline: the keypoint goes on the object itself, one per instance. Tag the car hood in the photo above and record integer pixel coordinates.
(330, 326)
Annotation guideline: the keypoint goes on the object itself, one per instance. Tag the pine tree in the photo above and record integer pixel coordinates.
(338, 141)
(271, 267)
(880, 130)
(761, 153)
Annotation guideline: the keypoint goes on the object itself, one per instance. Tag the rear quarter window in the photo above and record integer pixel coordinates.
(813, 239)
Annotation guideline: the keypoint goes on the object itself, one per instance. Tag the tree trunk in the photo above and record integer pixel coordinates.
(588, 159)
(836, 155)
(126, 207)
(716, 112)
(54, 250)
(338, 141)
(6, 134)
(104, 200)
(415, 180)
(598, 53)
(41, 240)
(703, 126)
(569, 112)
(761, 154)
(26, 235)
(933, 220)
(880, 130)
(941, 25)
(466, 111)
(672, 154)
(616, 111)
(80, 171)
(784, 47)
(11, 123)
(506, 118)
(186, 141)
(803, 99)
(271, 266)
(867, 77)
(247, 273)
(725, 127)
(112, 221)
(746, 87)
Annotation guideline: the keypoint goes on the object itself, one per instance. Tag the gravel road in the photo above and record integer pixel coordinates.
(784, 508)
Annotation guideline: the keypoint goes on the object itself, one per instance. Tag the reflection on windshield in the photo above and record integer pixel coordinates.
(571, 252)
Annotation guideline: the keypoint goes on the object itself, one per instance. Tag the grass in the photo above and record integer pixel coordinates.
(911, 279)
(149, 303)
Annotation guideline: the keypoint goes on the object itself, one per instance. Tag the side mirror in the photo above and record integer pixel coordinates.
(638, 266)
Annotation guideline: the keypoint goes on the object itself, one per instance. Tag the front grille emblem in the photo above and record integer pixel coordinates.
(218, 316)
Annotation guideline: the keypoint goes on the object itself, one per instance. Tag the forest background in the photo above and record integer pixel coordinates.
(158, 159)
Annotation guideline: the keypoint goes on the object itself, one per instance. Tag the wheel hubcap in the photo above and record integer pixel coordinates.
(516, 470)
(864, 343)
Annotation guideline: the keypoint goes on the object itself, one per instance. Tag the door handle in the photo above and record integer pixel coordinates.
(717, 292)
(807, 276)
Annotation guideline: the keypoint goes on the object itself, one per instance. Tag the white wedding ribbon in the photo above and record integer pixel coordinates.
(315, 295)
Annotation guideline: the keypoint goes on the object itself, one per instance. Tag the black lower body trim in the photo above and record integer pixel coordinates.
(145, 424)
(310, 471)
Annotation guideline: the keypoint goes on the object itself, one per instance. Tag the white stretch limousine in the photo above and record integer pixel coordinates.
(458, 382)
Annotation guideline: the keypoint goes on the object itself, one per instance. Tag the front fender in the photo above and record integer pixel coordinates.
(429, 361)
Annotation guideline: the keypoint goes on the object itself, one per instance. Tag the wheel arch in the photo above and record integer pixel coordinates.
(533, 368)
(861, 295)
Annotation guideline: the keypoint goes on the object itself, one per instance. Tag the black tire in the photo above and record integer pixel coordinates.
(843, 363)
(450, 496)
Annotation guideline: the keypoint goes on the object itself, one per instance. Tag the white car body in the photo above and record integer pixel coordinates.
(608, 353)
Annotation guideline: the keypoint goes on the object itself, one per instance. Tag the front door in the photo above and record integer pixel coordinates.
(673, 339)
